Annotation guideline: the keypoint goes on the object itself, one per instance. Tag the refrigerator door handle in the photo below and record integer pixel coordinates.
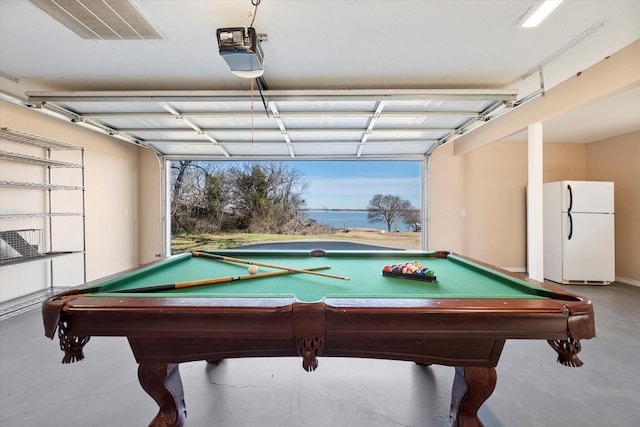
(570, 225)
(570, 197)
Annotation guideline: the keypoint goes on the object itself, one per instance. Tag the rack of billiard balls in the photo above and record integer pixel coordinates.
(409, 270)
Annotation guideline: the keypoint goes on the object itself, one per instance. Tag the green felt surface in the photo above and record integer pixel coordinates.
(457, 278)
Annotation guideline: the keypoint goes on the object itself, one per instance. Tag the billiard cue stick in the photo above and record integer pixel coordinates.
(261, 264)
(214, 281)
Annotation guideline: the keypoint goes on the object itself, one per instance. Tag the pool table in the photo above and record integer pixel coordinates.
(462, 320)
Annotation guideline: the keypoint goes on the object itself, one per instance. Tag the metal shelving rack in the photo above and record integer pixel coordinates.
(22, 244)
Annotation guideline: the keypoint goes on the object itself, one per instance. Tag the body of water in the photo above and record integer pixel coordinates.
(346, 219)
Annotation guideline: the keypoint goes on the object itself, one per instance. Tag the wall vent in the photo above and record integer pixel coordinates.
(100, 19)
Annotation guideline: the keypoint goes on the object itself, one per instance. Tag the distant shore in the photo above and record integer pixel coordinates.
(334, 210)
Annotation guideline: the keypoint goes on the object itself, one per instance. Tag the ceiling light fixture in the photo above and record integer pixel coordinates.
(538, 12)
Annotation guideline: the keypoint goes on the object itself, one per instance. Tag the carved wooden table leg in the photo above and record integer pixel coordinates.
(471, 387)
(162, 382)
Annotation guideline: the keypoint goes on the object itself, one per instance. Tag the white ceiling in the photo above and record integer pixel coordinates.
(345, 79)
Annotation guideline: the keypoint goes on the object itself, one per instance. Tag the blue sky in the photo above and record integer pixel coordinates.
(351, 184)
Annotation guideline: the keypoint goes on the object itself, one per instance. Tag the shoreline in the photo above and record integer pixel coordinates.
(333, 210)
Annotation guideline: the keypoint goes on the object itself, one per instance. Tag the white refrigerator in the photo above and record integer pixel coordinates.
(578, 227)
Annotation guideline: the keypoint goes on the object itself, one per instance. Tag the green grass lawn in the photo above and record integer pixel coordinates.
(190, 242)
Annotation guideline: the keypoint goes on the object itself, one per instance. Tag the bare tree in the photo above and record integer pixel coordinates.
(180, 168)
(388, 209)
(190, 194)
(412, 220)
(254, 197)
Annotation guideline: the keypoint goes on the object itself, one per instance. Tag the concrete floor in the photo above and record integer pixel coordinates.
(532, 390)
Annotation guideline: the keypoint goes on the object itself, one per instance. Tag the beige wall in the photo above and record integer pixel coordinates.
(489, 183)
(151, 211)
(122, 181)
(618, 160)
(446, 199)
(495, 200)
(564, 162)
